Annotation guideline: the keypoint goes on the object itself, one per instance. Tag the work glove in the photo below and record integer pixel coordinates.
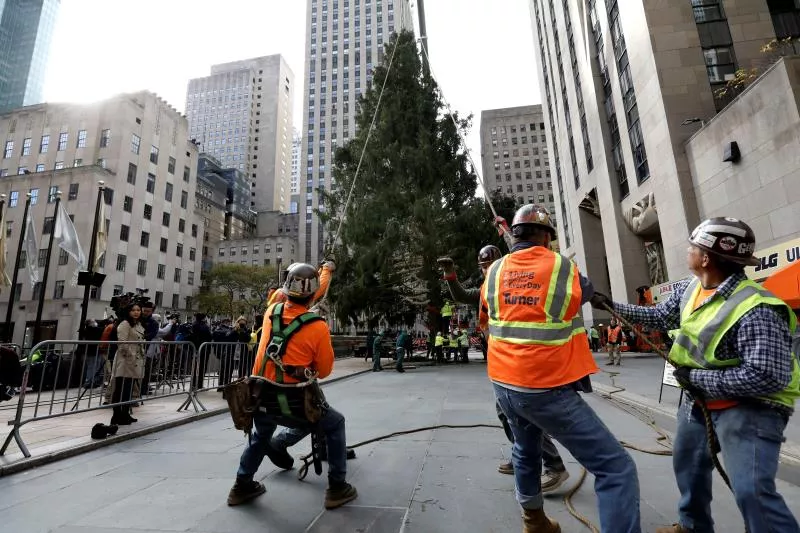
(683, 375)
(501, 225)
(448, 267)
(600, 300)
(329, 264)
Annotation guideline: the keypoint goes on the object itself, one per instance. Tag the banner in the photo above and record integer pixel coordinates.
(102, 239)
(4, 281)
(31, 251)
(67, 238)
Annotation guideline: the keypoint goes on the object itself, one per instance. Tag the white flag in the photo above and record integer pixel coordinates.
(4, 281)
(102, 238)
(67, 239)
(31, 251)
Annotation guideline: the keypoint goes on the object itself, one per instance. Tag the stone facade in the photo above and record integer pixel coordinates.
(137, 144)
(514, 155)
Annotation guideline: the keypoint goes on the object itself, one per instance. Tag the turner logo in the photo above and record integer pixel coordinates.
(516, 299)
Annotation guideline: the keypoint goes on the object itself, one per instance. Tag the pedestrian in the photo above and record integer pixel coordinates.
(453, 346)
(93, 359)
(447, 316)
(200, 334)
(555, 473)
(128, 363)
(108, 348)
(370, 340)
(732, 350)
(400, 350)
(539, 360)
(376, 351)
(225, 342)
(309, 348)
(151, 327)
(615, 337)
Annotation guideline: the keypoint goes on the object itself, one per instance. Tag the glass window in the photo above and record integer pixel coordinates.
(165, 219)
(45, 144)
(81, 139)
(144, 240)
(121, 260)
(161, 271)
(141, 268)
(168, 193)
(148, 211)
(132, 173)
(58, 292)
(9, 150)
(26, 146)
(13, 199)
(154, 155)
(62, 141)
(105, 139)
(171, 165)
(136, 142)
(34, 196)
(127, 204)
(163, 246)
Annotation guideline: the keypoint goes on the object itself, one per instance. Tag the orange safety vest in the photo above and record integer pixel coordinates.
(613, 334)
(537, 339)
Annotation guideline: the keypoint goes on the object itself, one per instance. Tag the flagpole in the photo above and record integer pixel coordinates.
(92, 249)
(43, 286)
(8, 333)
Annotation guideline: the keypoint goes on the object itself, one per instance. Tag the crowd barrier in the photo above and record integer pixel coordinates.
(61, 378)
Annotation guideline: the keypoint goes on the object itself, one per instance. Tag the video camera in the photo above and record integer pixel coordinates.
(122, 301)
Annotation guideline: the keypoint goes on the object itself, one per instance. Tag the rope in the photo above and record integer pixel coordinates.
(460, 136)
(711, 434)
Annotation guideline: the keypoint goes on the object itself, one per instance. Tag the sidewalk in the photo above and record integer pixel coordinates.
(64, 436)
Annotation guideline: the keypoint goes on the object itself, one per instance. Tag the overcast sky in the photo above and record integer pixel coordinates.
(482, 55)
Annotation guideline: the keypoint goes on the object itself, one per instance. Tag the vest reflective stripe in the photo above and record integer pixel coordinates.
(555, 330)
(697, 349)
(537, 333)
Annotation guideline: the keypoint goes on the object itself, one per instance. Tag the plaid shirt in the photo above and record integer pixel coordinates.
(760, 339)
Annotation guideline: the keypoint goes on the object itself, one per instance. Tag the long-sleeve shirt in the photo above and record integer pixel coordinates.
(761, 340)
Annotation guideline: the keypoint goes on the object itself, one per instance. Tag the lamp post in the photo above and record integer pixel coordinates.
(43, 285)
(92, 251)
(8, 333)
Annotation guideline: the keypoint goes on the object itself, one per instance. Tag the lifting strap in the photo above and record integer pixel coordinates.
(278, 341)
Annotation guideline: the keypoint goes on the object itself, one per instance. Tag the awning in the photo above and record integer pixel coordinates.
(785, 284)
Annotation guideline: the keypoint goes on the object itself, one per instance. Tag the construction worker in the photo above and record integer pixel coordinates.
(447, 315)
(453, 343)
(400, 350)
(539, 359)
(376, 351)
(555, 473)
(311, 348)
(325, 274)
(438, 347)
(615, 337)
(732, 349)
(463, 346)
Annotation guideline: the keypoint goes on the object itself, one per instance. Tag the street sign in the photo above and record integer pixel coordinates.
(667, 378)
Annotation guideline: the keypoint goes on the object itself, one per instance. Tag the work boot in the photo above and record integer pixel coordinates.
(506, 468)
(245, 490)
(674, 528)
(339, 493)
(552, 480)
(535, 521)
(279, 456)
(610, 363)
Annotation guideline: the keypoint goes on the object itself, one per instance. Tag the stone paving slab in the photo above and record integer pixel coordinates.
(442, 480)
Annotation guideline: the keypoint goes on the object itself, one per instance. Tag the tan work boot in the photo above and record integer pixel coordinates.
(674, 528)
(535, 521)
(506, 468)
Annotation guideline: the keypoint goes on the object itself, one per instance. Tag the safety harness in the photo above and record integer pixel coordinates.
(276, 348)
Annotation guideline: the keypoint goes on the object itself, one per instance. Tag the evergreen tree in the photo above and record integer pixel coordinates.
(413, 200)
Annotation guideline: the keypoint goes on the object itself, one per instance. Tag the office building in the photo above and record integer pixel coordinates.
(26, 30)
(344, 40)
(514, 155)
(295, 184)
(242, 115)
(624, 91)
(137, 144)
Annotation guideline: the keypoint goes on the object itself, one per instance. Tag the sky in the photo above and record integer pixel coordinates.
(481, 51)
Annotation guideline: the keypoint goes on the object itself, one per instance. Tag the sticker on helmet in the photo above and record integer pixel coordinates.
(730, 219)
(705, 239)
(728, 243)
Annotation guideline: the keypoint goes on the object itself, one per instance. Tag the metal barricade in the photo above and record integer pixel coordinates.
(216, 364)
(61, 378)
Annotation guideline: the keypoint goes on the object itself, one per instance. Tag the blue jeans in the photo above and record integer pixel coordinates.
(566, 417)
(750, 437)
(332, 425)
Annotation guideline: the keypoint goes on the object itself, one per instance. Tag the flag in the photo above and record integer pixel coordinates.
(4, 281)
(67, 239)
(102, 238)
(31, 250)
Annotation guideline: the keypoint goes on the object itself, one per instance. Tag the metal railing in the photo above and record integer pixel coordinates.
(217, 363)
(62, 378)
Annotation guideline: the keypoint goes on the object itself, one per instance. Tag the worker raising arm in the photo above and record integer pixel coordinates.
(733, 348)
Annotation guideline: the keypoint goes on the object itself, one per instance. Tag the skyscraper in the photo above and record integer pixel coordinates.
(242, 115)
(344, 40)
(295, 188)
(626, 84)
(514, 155)
(26, 30)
